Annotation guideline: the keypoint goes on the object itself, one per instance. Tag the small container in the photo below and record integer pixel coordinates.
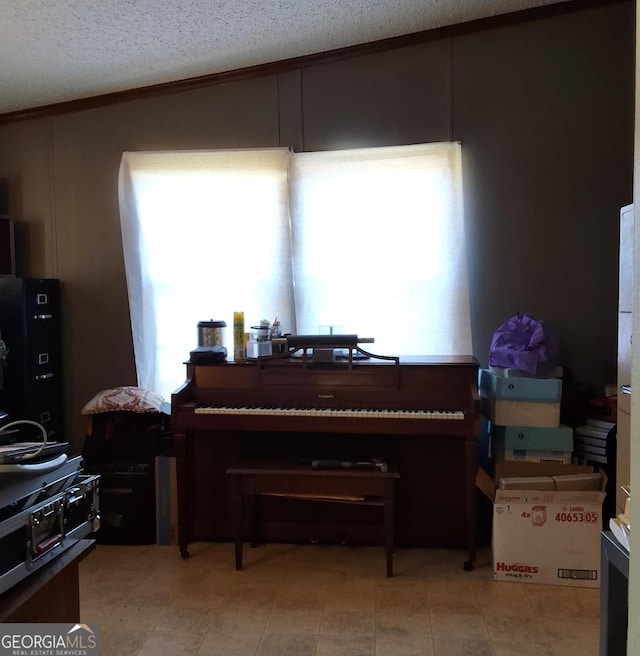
(239, 353)
(258, 349)
(259, 343)
(211, 333)
(260, 333)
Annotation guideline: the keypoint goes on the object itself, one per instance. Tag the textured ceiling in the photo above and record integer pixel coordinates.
(53, 51)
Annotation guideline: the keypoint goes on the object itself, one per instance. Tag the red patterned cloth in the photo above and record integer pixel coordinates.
(124, 399)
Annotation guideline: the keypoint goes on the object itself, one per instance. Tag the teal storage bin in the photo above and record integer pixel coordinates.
(539, 390)
(532, 438)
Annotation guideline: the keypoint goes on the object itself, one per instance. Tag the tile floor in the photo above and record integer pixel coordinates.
(314, 600)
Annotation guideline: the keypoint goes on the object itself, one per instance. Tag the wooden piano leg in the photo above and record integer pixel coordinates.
(237, 512)
(251, 506)
(389, 522)
(470, 472)
(182, 484)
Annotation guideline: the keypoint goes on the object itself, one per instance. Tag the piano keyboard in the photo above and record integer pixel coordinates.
(456, 415)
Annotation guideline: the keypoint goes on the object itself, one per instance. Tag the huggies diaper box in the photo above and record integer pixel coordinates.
(549, 535)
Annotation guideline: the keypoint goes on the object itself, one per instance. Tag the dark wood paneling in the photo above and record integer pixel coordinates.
(391, 98)
(290, 110)
(544, 111)
(4, 198)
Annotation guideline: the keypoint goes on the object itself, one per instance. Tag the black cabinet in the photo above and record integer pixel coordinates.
(122, 448)
(614, 593)
(127, 505)
(32, 370)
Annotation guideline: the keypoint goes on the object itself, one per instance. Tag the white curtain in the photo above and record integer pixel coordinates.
(379, 246)
(204, 233)
(368, 241)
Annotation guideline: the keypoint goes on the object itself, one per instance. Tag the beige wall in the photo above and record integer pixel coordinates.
(544, 110)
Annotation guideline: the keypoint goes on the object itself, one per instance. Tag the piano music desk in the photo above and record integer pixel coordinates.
(370, 487)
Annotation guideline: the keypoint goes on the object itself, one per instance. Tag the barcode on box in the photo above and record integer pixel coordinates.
(578, 574)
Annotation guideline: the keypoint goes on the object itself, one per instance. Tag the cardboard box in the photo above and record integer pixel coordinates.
(581, 482)
(591, 482)
(546, 536)
(525, 455)
(505, 469)
(522, 413)
(527, 483)
(549, 474)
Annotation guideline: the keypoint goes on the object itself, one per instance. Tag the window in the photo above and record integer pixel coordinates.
(371, 240)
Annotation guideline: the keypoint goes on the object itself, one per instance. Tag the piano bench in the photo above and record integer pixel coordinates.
(370, 487)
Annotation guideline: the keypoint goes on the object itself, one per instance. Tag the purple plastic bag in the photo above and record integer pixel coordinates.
(524, 343)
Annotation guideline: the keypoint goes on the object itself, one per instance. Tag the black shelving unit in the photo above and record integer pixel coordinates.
(122, 448)
(32, 371)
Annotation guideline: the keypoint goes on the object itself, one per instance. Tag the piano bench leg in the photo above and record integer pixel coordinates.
(252, 504)
(238, 552)
(389, 522)
(237, 511)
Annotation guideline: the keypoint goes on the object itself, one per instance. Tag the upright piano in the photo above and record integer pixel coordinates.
(420, 414)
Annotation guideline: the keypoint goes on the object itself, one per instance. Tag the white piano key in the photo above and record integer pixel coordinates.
(355, 413)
